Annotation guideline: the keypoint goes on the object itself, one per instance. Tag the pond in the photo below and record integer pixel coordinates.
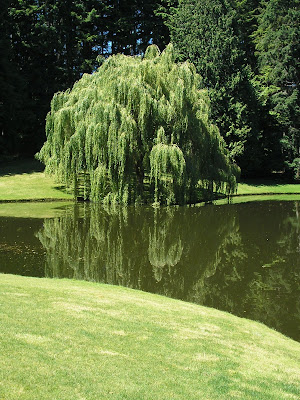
(240, 258)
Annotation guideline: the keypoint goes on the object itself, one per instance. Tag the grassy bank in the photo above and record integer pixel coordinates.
(257, 197)
(70, 340)
(259, 187)
(26, 181)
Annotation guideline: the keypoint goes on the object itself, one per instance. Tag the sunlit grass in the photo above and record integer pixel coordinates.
(64, 339)
(24, 180)
(16, 186)
(258, 197)
(267, 187)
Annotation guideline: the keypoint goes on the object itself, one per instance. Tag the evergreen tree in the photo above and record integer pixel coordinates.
(137, 127)
(133, 25)
(247, 11)
(15, 109)
(52, 44)
(152, 22)
(278, 50)
(208, 34)
(47, 45)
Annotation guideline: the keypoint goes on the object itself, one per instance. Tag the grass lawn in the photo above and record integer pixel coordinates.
(26, 181)
(68, 340)
(21, 181)
(257, 197)
(253, 187)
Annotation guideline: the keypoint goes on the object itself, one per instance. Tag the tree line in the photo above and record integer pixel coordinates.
(247, 53)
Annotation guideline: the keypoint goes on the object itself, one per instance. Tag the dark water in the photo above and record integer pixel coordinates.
(242, 258)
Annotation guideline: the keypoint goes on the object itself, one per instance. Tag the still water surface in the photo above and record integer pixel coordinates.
(242, 258)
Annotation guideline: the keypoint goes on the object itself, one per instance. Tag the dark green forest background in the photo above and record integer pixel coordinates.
(247, 52)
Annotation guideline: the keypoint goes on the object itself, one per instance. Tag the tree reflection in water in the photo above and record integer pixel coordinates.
(240, 258)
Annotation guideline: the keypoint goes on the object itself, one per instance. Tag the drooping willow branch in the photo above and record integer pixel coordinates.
(137, 130)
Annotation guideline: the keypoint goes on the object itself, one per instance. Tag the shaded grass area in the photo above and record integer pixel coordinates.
(25, 166)
(24, 181)
(80, 340)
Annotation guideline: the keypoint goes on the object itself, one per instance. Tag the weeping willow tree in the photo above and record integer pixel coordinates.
(137, 130)
(165, 243)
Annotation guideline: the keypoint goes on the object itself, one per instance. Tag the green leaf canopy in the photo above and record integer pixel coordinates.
(138, 130)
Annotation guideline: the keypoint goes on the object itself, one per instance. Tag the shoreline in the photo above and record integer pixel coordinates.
(241, 195)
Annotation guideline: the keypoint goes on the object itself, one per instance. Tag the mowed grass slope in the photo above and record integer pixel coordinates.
(21, 181)
(70, 340)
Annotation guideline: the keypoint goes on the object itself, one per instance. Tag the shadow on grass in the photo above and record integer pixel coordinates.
(274, 180)
(262, 182)
(63, 188)
(25, 166)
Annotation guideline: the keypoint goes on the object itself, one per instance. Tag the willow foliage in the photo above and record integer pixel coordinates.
(137, 130)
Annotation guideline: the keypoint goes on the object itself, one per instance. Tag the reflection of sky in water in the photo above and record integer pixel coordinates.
(240, 258)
